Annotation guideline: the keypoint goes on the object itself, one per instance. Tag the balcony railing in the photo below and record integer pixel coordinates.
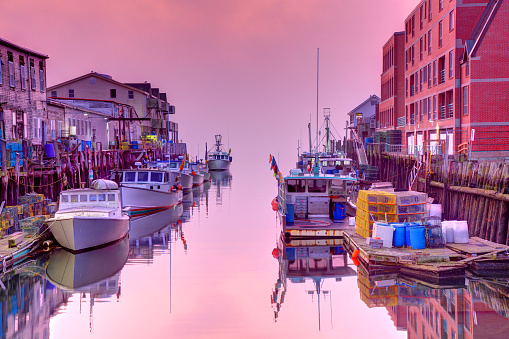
(442, 76)
(442, 112)
(401, 121)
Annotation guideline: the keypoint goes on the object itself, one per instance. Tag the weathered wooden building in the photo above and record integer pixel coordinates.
(23, 111)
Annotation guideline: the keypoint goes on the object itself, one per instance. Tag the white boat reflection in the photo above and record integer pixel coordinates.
(88, 271)
(150, 224)
(314, 262)
(221, 178)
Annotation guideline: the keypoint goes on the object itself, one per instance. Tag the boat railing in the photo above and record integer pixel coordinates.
(281, 197)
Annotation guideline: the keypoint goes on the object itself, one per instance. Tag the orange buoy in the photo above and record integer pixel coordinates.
(275, 206)
(193, 173)
(355, 261)
(179, 186)
(355, 253)
(275, 253)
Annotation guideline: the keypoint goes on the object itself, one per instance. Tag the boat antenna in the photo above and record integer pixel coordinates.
(317, 74)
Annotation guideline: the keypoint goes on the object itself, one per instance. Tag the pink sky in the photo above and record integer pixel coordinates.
(245, 69)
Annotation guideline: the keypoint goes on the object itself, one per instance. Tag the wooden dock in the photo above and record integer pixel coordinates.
(446, 265)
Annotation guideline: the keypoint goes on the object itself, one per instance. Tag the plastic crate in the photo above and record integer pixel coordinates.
(405, 209)
(411, 198)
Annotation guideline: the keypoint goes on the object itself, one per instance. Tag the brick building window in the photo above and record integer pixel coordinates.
(413, 25)
(440, 5)
(440, 33)
(413, 54)
(421, 48)
(32, 75)
(429, 75)
(421, 17)
(429, 41)
(12, 79)
(406, 87)
(430, 117)
(429, 10)
(22, 73)
(417, 82)
(434, 73)
(421, 78)
(406, 58)
(451, 64)
(434, 107)
(71, 93)
(451, 20)
(465, 100)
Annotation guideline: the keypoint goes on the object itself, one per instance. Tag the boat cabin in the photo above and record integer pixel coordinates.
(90, 199)
(219, 156)
(315, 195)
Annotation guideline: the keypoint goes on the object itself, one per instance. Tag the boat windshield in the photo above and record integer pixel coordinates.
(296, 185)
(173, 165)
(317, 185)
(156, 177)
(142, 176)
(129, 176)
(86, 198)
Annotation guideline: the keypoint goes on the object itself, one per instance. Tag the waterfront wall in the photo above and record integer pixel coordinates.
(477, 192)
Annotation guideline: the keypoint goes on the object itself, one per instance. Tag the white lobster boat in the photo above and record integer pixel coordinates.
(147, 191)
(217, 158)
(89, 217)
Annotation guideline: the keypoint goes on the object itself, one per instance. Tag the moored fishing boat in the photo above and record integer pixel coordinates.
(217, 158)
(146, 191)
(90, 217)
(178, 171)
(312, 205)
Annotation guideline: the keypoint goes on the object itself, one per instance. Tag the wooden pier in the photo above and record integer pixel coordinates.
(447, 265)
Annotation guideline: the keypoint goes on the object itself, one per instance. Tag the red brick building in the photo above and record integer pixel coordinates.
(393, 87)
(456, 80)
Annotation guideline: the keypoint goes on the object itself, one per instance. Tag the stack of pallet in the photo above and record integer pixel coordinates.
(394, 207)
(373, 206)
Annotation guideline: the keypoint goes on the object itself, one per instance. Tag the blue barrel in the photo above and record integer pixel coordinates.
(399, 237)
(290, 213)
(417, 238)
(49, 150)
(339, 211)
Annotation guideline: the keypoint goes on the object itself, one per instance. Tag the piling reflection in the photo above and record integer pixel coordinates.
(477, 309)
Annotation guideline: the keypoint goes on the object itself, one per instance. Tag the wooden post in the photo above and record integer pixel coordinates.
(445, 202)
(5, 178)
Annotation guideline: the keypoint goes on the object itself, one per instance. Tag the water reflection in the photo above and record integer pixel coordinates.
(88, 271)
(220, 179)
(477, 309)
(310, 264)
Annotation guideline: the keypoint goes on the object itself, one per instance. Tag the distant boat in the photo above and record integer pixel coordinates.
(198, 176)
(146, 191)
(217, 158)
(183, 175)
(90, 217)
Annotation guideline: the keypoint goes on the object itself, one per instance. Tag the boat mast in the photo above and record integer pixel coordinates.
(317, 73)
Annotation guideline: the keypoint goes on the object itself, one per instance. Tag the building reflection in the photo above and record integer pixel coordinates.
(478, 309)
(28, 301)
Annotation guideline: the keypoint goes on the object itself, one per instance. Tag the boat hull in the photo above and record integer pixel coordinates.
(186, 180)
(143, 202)
(197, 179)
(218, 165)
(77, 233)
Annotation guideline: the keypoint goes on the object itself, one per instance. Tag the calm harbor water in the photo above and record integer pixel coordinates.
(207, 270)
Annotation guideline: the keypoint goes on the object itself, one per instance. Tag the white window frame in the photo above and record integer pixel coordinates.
(69, 93)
